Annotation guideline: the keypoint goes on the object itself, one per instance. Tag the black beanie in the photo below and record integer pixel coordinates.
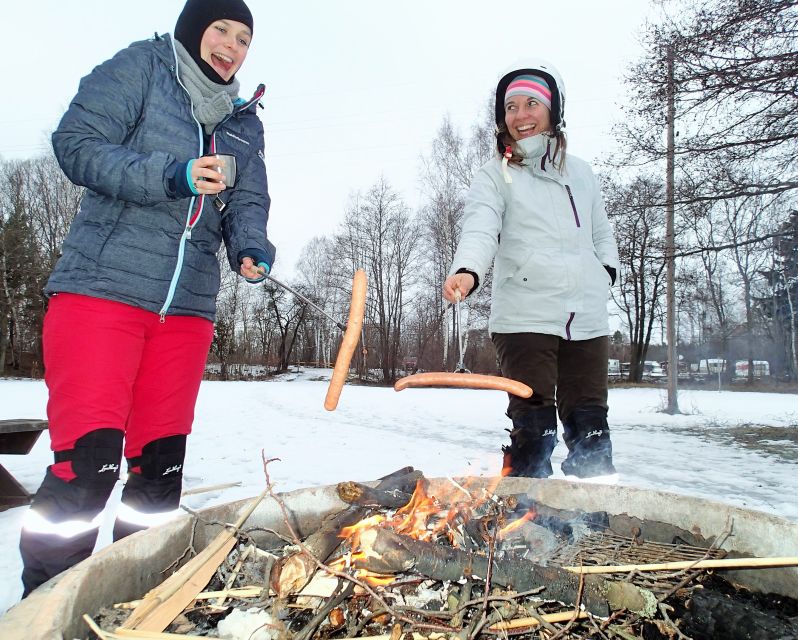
(197, 16)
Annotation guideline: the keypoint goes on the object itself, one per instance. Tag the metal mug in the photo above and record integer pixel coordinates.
(228, 169)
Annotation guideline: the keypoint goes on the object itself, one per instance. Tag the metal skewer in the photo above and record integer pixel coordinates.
(340, 325)
(457, 322)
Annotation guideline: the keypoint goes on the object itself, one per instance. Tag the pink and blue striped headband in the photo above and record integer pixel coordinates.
(531, 86)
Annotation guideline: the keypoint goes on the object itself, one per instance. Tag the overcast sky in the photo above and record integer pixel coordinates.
(355, 89)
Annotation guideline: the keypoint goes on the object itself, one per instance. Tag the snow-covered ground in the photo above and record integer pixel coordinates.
(735, 447)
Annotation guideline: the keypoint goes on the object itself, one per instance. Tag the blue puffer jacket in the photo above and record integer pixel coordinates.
(135, 240)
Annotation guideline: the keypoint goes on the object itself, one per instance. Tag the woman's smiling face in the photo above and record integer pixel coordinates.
(224, 46)
(526, 117)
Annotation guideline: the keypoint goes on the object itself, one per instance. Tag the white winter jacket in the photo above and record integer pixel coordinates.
(550, 238)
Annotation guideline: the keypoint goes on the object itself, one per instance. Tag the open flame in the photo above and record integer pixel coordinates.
(516, 524)
(423, 518)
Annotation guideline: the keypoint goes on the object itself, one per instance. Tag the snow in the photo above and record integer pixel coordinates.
(735, 447)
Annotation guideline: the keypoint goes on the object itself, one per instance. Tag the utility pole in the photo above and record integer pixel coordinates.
(673, 356)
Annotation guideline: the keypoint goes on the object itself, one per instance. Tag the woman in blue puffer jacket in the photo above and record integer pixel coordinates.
(133, 296)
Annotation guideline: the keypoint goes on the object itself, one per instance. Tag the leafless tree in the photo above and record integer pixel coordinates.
(736, 87)
(380, 236)
(317, 279)
(446, 177)
(636, 212)
(288, 313)
(228, 309)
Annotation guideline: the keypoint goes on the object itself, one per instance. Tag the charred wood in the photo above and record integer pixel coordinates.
(292, 572)
(389, 553)
(561, 521)
(362, 495)
(715, 615)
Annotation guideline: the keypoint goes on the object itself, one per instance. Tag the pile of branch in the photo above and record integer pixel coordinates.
(487, 585)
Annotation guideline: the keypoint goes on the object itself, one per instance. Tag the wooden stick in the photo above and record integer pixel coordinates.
(239, 592)
(357, 308)
(520, 623)
(209, 488)
(233, 574)
(416, 636)
(148, 635)
(725, 563)
(162, 605)
(95, 627)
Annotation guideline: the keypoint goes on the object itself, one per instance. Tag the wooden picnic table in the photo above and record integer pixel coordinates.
(17, 437)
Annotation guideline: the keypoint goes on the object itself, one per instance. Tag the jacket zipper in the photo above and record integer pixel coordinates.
(578, 225)
(573, 205)
(193, 218)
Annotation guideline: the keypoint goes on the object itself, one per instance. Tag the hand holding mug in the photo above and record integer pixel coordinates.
(205, 177)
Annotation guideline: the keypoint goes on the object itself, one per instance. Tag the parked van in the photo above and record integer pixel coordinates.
(761, 369)
(652, 371)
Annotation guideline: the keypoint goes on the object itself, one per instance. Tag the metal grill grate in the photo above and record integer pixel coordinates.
(608, 548)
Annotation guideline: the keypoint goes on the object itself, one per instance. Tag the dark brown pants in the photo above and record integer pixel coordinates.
(562, 373)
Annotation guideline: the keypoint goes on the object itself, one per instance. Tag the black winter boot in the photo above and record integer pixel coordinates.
(533, 439)
(154, 483)
(61, 528)
(587, 436)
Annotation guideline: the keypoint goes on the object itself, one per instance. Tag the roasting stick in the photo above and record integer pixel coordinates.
(724, 563)
(357, 309)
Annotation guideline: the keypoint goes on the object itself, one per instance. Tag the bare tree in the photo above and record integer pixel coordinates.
(379, 235)
(748, 218)
(289, 313)
(735, 69)
(636, 212)
(446, 177)
(318, 282)
(22, 275)
(228, 308)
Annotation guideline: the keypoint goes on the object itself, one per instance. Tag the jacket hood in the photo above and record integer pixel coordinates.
(540, 67)
(164, 49)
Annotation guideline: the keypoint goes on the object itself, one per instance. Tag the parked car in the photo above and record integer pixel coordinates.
(652, 371)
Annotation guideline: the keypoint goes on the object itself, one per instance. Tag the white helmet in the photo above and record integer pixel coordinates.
(545, 70)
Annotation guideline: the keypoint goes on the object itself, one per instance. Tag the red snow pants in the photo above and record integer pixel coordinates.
(109, 365)
(115, 373)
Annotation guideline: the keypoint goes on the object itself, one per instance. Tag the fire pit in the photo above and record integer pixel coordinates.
(535, 533)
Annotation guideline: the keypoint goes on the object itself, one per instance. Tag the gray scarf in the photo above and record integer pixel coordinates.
(212, 101)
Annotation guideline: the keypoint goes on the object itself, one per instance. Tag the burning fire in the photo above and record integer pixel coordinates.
(422, 518)
(516, 524)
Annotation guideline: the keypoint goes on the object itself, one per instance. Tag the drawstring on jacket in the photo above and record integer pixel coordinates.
(508, 153)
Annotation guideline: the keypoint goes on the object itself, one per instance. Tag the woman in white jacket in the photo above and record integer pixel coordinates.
(541, 221)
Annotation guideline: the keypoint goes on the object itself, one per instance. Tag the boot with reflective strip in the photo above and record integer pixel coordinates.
(152, 492)
(60, 528)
